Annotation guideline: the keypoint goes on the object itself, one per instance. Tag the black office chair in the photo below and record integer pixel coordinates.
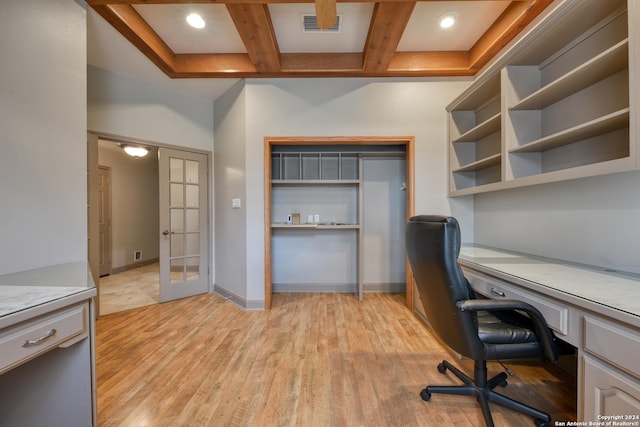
(478, 329)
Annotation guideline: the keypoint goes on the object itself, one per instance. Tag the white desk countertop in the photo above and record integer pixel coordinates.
(615, 290)
(23, 291)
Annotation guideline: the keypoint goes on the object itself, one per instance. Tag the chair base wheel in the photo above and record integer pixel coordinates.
(442, 368)
(425, 395)
(541, 423)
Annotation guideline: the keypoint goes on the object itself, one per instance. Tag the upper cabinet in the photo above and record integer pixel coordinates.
(560, 104)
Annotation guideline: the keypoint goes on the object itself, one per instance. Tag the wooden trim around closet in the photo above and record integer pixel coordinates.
(269, 141)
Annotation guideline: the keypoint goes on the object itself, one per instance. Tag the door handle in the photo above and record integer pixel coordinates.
(165, 232)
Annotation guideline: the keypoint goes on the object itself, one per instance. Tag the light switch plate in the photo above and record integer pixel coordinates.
(235, 204)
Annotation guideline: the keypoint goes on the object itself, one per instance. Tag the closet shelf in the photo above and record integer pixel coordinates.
(483, 129)
(317, 226)
(605, 124)
(601, 66)
(315, 182)
(481, 164)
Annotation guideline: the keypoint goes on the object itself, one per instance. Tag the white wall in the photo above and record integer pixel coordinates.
(279, 107)
(42, 133)
(592, 221)
(134, 204)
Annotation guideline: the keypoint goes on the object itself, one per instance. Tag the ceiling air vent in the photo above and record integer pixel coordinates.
(310, 25)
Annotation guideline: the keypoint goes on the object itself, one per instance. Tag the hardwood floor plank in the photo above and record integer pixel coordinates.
(312, 360)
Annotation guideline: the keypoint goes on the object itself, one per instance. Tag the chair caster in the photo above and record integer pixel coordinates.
(503, 384)
(442, 368)
(425, 395)
(542, 423)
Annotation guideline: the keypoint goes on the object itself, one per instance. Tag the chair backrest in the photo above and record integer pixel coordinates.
(433, 245)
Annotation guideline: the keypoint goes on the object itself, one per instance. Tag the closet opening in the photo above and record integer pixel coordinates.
(335, 211)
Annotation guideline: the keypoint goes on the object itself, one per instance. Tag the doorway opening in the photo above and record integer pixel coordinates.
(129, 224)
(149, 239)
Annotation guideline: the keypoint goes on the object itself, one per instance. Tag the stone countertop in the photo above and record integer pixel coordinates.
(28, 289)
(614, 289)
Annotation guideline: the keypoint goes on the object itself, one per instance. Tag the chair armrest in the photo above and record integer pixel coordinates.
(541, 328)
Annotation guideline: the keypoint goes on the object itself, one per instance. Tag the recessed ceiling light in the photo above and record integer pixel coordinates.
(447, 20)
(195, 20)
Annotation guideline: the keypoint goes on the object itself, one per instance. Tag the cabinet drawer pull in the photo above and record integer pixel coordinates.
(497, 292)
(30, 343)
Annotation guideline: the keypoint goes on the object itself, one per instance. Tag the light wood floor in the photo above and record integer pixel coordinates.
(134, 288)
(312, 360)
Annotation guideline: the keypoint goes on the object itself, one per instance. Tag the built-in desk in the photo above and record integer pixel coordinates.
(47, 362)
(595, 310)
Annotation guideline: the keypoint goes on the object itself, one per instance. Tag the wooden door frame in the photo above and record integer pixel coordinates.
(270, 141)
(107, 212)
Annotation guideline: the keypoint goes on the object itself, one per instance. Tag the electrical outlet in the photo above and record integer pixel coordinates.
(235, 203)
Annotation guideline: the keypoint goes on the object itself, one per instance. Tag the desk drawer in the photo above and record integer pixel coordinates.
(29, 339)
(557, 316)
(614, 343)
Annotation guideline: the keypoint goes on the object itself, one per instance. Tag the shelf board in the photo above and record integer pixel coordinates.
(601, 66)
(483, 129)
(477, 95)
(315, 181)
(481, 164)
(317, 226)
(482, 188)
(599, 126)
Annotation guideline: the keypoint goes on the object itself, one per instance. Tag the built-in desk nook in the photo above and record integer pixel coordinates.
(595, 310)
(47, 362)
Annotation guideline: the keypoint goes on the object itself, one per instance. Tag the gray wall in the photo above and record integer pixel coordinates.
(592, 221)
(43, 176)
(134, 204)
(229, 166)
(384, 220)
(279, 107)
(129, 107)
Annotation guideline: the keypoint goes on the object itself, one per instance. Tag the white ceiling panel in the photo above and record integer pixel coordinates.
(473, 18)
(169, 22)
(354, 26)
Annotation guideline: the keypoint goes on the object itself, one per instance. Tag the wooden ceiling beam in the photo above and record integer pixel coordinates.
(218, 65)
(130, 24)
(253, 23)
(318, 63)
(404, 64)
(144, 2)
(438, 63)
(387, 26)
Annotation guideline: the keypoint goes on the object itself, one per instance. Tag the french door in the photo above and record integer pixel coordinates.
(184, 228)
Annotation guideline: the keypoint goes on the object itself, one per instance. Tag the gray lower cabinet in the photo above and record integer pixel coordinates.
(610, 371)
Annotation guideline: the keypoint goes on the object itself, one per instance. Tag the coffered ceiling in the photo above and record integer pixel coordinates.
(267, 38)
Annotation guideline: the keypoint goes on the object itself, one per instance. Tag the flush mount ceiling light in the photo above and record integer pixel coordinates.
(135, 150)
(195, 20)
(447, 20)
